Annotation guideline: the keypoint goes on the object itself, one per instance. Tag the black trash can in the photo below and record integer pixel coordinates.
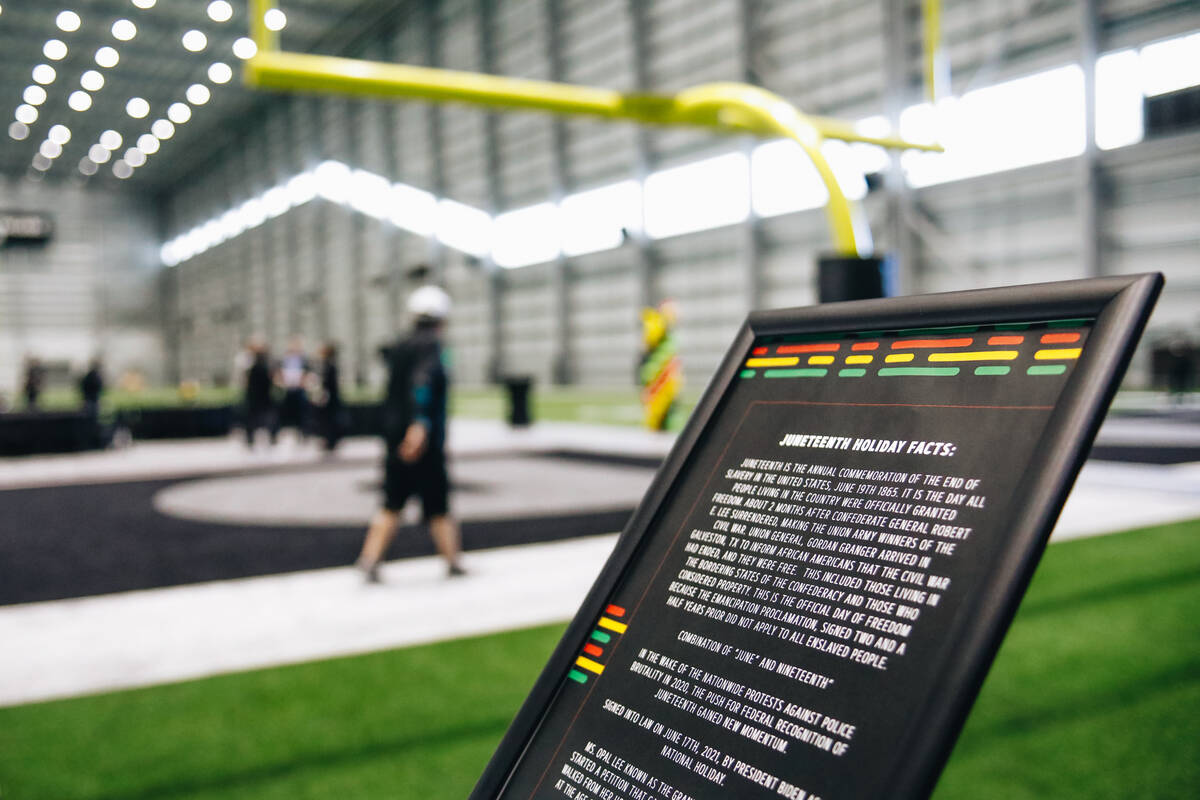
(851, 278)
(518, 388)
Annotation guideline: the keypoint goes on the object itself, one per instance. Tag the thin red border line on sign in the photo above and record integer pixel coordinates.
(612, 654)
(889, 405)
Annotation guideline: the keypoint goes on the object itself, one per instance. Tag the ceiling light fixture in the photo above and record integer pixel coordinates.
(148, 144)
(219, 72)
(92, 80)
(55, 49)
(109, 140)
(50, 149)
(79, 100)
(198, 94)
(99, 153)
(124, 30)
(244, 48)
(144, 4)
(41, 163)
(122, 170)
(274, 19)
(195, 41)
(87, 166)
(107, 57)
(18, 130)
(59, 134)
(162, 129)
(220, 11)
(26, 113)
(44, 74)
(137, 107)
(67, 21)
(179, 113)
(34, 95)
(134, 157)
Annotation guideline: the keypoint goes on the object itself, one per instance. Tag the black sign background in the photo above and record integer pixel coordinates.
(635, 731)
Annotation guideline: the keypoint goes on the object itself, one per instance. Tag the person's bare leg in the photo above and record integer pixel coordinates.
(448, 541)
(379, 535)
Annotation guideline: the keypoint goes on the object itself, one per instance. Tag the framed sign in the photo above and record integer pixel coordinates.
(808, 599)
(25, 227)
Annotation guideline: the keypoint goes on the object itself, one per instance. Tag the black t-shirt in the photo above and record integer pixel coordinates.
(416, 390)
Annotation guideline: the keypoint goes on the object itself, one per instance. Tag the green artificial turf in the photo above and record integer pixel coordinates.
(1096, 690)
(1094, 695)
(548, 403)
(419, 722)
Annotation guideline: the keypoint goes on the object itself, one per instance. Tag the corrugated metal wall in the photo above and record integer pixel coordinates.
(92, 290)
(325, 271)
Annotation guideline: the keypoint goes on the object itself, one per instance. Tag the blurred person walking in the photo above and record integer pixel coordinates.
(35, 378)
(259, 403)
(329, 406)
(91, 386)
(293, 376)
(414, 413)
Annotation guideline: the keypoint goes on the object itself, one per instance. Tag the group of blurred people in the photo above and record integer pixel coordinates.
(91, 385)
(292, 391)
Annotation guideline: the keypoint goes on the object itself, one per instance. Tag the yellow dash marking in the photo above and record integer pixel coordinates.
(787, 361)
(820, 359)
(1047, 355)
(859, 359)
(612, 625)
(979, 355)
(589, 665)
(896, 358)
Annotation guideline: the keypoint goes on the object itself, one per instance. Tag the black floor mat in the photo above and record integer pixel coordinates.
(76, 541)
(610, 459)
(1145, 454)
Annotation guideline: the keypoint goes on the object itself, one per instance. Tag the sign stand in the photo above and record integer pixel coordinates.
(808, 598)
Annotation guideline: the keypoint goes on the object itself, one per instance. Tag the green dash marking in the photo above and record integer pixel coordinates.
(992, 370)
(931, 371)
(601, 636)
(1013, 326)
(577, 676)
(1067, 323)
(923, 331)
(808, 337)
(795, 373)
(747, 373)
(851, 373)
(1047, 369)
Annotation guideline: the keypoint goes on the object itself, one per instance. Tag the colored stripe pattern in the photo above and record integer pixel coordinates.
(589, 661)
(1027, 348)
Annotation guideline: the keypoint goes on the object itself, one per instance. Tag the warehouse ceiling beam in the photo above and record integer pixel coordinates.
(723, 107)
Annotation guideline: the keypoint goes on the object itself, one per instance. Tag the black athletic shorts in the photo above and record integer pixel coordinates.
(426, 478)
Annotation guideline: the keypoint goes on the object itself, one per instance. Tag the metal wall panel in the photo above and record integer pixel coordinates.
(323, 270)
(91, 290)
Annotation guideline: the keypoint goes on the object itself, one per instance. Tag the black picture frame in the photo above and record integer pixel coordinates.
(1120, 307)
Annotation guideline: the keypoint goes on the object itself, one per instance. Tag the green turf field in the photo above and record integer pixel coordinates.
(557, 404)
(1095, 695)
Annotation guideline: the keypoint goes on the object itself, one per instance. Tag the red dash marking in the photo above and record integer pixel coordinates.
(1006, 340)
(1059, 338)
(913, 344)
(592, 650)
(866, 346)
(615, 611)
(788, 349)
(758, 351)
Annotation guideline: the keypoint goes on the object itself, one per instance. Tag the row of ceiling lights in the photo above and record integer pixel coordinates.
(91, 81)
